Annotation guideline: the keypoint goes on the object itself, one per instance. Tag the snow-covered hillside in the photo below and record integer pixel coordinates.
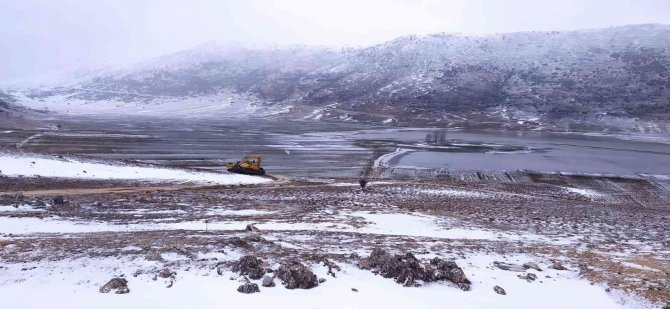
(619, 72)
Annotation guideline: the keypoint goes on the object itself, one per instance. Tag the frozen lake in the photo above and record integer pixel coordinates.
(340, 150)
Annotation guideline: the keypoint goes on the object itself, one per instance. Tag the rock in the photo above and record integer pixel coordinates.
(530, 277)
(499, 290)
(407, 269)
(509, 266)
(322, 280)
(118, 285)
(268, 281)
(248, 288)
(166, 273)
(332, 267)
(58, 200)
(294, 275)
(251, 227)
(448, 270)
(531, 265)
(19, 197)
(557, 266)
(250, 266)
(355, 290)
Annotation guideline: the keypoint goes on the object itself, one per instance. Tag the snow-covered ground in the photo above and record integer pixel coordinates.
(592, 194)
(220, 105)
(33, 165)
(456, 193)
(76, 283)
(63, 252)
(398, 224)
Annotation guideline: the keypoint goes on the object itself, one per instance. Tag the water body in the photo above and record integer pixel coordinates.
(338, 150)
(549, 152)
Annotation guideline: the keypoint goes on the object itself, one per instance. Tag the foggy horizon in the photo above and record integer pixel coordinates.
(38, 38)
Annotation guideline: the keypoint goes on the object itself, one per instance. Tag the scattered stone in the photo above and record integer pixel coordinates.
(499, 290)
(355, 290)
(294, 275)
(166, 273)
(58, 200)
(530, 277)
(448, 270)
(557, 266)
(407, 269)
(250, 266)
(268, 281)
(248, 288)
(251, 227)
(509, 266)
(322, 280)
(532, 265)
(118, 285)
(332, 267)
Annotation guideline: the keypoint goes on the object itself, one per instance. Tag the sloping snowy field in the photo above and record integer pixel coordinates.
(76, 283)
(32, 165)
(223, 104)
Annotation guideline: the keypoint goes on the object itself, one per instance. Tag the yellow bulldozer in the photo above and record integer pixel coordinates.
(249, 165)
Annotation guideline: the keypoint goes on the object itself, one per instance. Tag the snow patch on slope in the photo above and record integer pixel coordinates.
(31, 166)
(456, 193)
(224, 104)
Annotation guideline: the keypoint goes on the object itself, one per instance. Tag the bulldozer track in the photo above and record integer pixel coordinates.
(280, 182)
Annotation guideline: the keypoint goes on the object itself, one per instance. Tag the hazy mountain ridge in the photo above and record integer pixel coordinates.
(6, 102)
(615, 72)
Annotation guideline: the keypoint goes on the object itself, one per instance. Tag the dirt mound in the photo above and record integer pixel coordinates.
(407, 269)
(294, 275)
(118, 285)
(249, 266)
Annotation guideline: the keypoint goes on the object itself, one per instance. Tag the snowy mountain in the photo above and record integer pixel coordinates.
(621, 72)
(6, 103)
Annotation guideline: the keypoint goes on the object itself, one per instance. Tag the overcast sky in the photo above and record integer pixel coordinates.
(40, 36)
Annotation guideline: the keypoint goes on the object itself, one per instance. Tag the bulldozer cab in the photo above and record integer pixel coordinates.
(251, 162)
(248, 165)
